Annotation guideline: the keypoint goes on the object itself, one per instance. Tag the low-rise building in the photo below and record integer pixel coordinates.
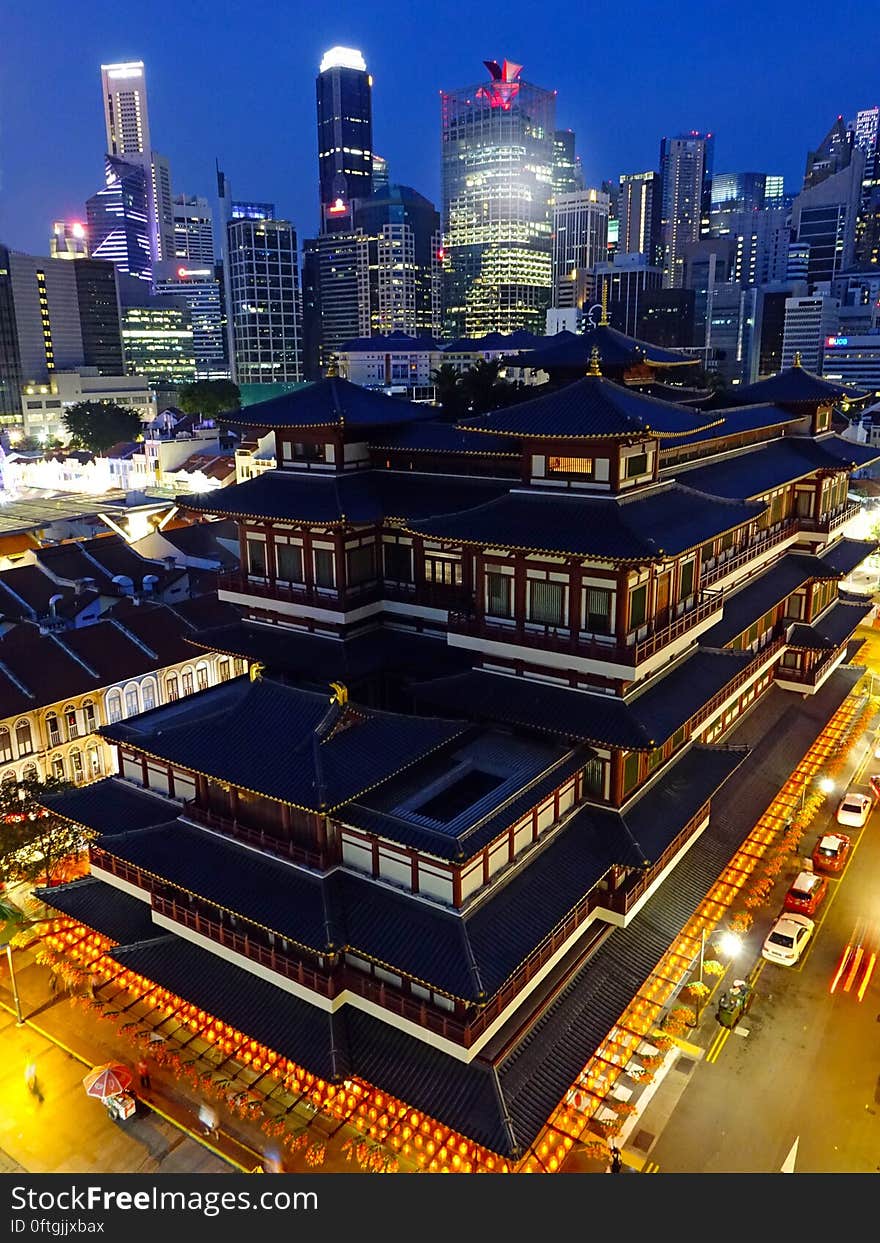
(43, 405)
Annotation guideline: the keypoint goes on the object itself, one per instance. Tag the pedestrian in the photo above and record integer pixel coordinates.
(208, 1118)
(616, 1163)
(143, 1071)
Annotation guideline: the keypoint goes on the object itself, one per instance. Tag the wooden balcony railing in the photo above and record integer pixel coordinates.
(755, 549)
(299, 593)
(832, 520)
(592, 647)
(280, 846)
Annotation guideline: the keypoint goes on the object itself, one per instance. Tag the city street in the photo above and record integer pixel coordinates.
(68, 1132)
(804, 1065)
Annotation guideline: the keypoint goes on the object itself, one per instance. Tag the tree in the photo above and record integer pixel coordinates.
(483, 387)
(97, 425)
(34, 841)
(447, 382)
(209, 398)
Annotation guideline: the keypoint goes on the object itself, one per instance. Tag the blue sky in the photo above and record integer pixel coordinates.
(237, 82)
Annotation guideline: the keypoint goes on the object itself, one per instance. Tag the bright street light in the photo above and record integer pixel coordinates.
(730, 945)
(826, 785)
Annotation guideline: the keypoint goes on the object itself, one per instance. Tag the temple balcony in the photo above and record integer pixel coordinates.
(826, 524)
(724, 566)
(284, 848)
(240, 588)
(639, 646)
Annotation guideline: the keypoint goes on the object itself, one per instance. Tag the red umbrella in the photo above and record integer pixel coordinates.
(106, 1081)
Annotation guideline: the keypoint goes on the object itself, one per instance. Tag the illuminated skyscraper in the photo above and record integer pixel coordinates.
(580, 239)
(497, 170)
(686, 176)
(265, 311)
(639, 207)
(567, 175)
(118, 219)
(344, 92)
(193, 229)
(127, 125)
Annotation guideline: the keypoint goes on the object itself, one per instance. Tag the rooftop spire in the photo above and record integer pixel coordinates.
(332, 367)
(594, 369)
(796, 362)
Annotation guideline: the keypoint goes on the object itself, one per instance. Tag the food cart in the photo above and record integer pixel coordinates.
(734, 1003)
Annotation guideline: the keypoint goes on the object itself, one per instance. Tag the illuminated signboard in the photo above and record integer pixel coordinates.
(185, 273)
(336, 208)
(837, 341)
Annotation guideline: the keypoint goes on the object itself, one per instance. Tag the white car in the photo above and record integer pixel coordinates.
(854, 810)
(786, 939)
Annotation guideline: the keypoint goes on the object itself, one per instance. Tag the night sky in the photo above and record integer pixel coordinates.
(236, 81)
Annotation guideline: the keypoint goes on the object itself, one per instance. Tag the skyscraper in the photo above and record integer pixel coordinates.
(193, 230)
(580, 239)
(824, 215)
(117, 219)
(639, 211)
(686, 176)
(833, 154)
(497, 184)
(344, 92)
(127, 125)
(195, 288)
(866, 128)
(567, 175)
(262, 277)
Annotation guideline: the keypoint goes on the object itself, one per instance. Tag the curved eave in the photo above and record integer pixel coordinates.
(635, 433)
(659, 554)
(341, 521)
(451, 452)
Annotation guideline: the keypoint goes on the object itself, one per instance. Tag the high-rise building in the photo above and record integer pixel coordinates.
(853, 360)
(708, 264)
(197, 289)
(497, 185)
(580, 240)
(808, 321)
(620, 285)
(118, 219)
(380, 274)
(762, 240)
(567, 175)
(824, 217)
(127, 125)
(686, 180)
(344, 93)
(381, 178)
(768, 331)
(866, 128)
(193, 230)
(54, 315)
(833, 154)
(69, 240)
(740, 192)
(639, 210)
(263, 297)
(97, 296)
(157, 342)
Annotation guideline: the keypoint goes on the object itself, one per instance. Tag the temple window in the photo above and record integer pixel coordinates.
(499, 594)
(594, 777)
(361, 564)
(325, 567)
(638, 604)
(443, 571)
(546, 603)
(582, 467)
(636, 465)
(398, 562)
(630, 771)
(256, 550)
(597, 611)
(289, 562)
(687, 580)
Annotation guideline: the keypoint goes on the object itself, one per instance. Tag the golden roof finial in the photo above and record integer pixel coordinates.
(332, 368)
(603, 318)
(256, 671)
(594, 369)
(339, 693)
(797, 359)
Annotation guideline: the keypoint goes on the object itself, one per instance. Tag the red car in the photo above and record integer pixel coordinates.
(806, 894)
(831, 852)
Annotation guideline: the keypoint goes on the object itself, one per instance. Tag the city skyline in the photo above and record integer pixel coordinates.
(193, 126)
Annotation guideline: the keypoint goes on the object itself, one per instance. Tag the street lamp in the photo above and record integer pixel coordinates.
(826, 785)
(730, 945)
(19, 1021)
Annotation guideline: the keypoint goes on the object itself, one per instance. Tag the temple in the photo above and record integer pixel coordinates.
(440, 835)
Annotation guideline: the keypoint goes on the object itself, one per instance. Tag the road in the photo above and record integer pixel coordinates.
(809, 1066)
(70, 1133)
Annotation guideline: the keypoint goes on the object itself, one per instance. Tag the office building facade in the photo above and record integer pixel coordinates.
(157, 342)
(344, 94)
(197, 289)
(118, 220)
(567, 175)
(497, 183)
(639, 213)
(686, 180)
(97, 296)
(853, 361)
(263, 298)
(193, 230)
(824, 218)
(580, 241)
(808, 323)
(619, 287)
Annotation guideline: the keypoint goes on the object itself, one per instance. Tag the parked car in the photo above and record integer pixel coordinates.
(806, 894)
(854, 810)
(831, 852)
(787, 938)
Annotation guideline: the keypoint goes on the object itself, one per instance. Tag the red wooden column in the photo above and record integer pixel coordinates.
(575, 594)
(308, 561)
(339, 554)
(519, 589)
(479, 583)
